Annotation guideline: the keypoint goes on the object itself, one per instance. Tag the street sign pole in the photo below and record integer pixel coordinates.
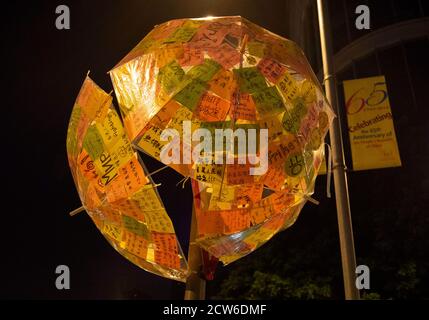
(348, 258)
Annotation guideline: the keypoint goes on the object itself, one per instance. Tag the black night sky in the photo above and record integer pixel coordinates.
(42, 70)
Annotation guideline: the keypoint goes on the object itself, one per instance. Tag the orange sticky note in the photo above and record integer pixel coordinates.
(243, 107)
(249, 193)
(135, 244)
(130, 179)
(167, 259)
(212, 108)
(210, 222)
(235, 220)
(225, 55)
(166, 242)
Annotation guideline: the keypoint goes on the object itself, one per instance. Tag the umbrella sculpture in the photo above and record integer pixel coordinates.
(259, 109)
(115, 189)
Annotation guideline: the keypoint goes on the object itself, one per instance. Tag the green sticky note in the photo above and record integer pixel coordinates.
(256, 48)
(294, 164)
(292, 119)
(183, 34)
(204, 71)
(268, 101)
(136, 227)
(190, 95)
(250, 79)
(93, 142)
(170, 76)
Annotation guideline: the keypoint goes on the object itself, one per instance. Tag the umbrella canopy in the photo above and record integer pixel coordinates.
(115, 188)
(228, 73)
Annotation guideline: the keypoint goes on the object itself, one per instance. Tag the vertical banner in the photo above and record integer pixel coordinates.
(370, 124)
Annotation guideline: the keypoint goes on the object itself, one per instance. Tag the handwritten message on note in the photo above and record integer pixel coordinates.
(289, 87)
(223, 84)
(135, 244)
(170, 76)
(235, 220)
(271, 69)
(166, 242)
(268, 101)
(136, 227)
(190, 95)
(250, 79)
(225, 55)
(191, 56)
(212, 108)
(243, 107)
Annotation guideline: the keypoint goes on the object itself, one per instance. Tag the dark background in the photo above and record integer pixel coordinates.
(42, 71)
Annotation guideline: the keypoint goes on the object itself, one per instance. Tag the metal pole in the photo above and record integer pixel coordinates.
(195, 285)
(348, 258)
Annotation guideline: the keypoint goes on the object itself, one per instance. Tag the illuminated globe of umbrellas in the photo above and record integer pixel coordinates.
(231, 106)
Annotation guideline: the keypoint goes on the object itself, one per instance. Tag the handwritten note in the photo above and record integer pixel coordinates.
(288, 86)
(212, 108)
(163, 117)
(93, 142)
(148, 199)
(274, 126)
(225, 55)
(223, 84)
(159, 221)
(250, 79)
(275, 177)
(168, 54)
(170, 76)
(151, 142)
(222, 197)
(205, 71)
(248, 194)
(191, 94)
(135, 244)
(208, 172)
(113, 231)
(292, 118)
(127, 206)
(209, 36)
(271, 69)
(191, 56)
(268, 101)
(167, 259)
(238, 174)
(245, 107)
(259, 237)
(210, 223)
(136, 227)
(235, 220)
(166, 242)
(94, 101)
